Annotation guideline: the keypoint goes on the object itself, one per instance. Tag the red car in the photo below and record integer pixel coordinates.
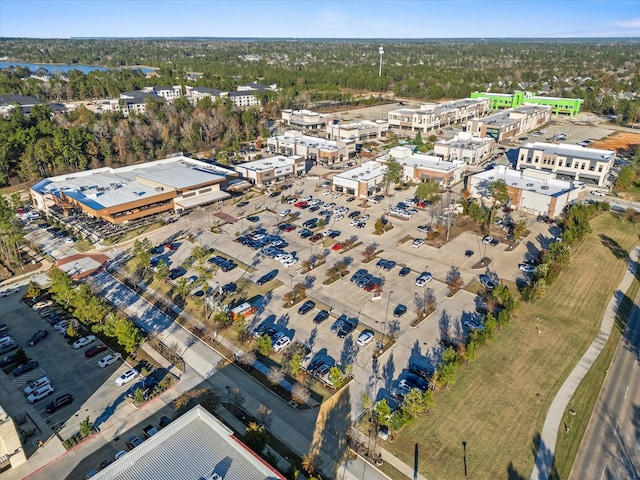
(289, 228)
(336, 247)
(300, 204)
(171, 246)
(94, 350)
(315, 238)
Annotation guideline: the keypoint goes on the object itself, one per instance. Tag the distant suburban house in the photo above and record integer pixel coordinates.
(305, 120)
(318, 150)
(572, 162)
(432, 117)
(418, 167)
(569, 106)
(529, 190)
(194, 446)
(362, 181)
(510, 123)
(8, 103)
(272, 169)
(466, 147)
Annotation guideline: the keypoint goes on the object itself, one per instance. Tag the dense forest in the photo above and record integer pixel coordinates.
(604, 73)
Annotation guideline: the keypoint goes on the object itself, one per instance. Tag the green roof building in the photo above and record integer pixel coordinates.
(569, 106)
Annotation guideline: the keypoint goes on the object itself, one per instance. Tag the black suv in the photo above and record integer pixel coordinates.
(348, 327)
(267, 277)
(59, 402)
(306, 307)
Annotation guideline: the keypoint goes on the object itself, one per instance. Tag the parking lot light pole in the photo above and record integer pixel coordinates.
(292, 295)
(384, 325)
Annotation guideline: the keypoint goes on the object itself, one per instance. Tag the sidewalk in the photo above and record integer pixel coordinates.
(548, 438)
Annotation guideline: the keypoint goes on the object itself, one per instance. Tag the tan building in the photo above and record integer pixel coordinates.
(306, 120)
(432, 117)
(318, 150)
(510, 123)
(464, 146)
(418, 167)
(360, 131)
(273, 169)
(11, 451)
(531, 191)
(118, 195)
(572, 162)
(362, 181)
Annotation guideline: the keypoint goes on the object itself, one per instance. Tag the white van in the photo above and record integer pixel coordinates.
(33, 386)
(599, 193)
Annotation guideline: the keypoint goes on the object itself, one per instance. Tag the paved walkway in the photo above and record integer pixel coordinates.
(546, 449)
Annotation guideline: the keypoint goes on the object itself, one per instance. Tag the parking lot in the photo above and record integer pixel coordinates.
(94, 393)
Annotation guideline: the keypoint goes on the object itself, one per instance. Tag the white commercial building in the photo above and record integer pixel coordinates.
(532, 191)
(464, 146)
(318, 150)
(362, 181)
(589, 165)
(360, 131)
(418, 167)
(273, 169)
(306, 120)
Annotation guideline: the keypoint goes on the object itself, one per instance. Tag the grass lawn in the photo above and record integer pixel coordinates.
(498, 404)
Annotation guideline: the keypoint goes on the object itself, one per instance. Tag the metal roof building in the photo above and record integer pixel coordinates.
(196, 446)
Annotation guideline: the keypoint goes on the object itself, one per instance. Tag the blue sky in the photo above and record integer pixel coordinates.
(319, 19)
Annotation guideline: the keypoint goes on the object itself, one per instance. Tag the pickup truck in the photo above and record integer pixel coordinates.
(149, 431)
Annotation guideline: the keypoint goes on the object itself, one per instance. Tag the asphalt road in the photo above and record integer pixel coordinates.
(610, 448)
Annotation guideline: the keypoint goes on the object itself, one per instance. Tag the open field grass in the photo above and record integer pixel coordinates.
(499, 403)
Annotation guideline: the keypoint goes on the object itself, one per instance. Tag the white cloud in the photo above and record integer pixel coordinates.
(633, 23)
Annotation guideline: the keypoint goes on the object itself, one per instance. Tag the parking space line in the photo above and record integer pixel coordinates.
(29, 377)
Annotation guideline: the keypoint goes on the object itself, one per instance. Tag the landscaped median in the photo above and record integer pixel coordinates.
(498, 404)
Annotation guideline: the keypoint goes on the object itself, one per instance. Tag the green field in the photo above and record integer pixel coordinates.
(499, 403)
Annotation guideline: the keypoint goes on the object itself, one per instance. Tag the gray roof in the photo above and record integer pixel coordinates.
(6, 100)
(192, 447)
(210, 91)
(573, 151)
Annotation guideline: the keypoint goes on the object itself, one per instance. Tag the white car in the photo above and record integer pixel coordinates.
(326, 192)
(109, 360)
(338, 217)
(84, 341)
(62, 326)
(599, 193)
(364, 218)
(126, 377)
(365, 337)
(40, 393)
(336, 195)
(69, 241)
(307, 198)
(41, 305)
(289, 262)
(36, 384)
(417, 243)
(526, 268)
(285, 212)
(120, 454)
(422, 280)
(281, 343)
(487, 239)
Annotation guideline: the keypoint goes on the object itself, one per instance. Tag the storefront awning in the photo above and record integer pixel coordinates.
(196, 200)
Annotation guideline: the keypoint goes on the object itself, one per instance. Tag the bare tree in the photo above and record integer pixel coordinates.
(275, 375)
(300, 393)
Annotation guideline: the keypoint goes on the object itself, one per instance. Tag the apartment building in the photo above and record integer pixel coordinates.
(273, 169)
(569, 106)
(319, 150)
(573, 162)
(306, 120)
(510, 123)
(464, 146)
(418, 167)
(362, 181)
(531, 191)
(360, 131)
(432, 117)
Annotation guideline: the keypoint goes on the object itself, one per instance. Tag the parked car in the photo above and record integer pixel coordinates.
(486, 282)
(84, 341)
(33, 386)
(321, 316)
(404, 271)
(109, 360)
(348, 327)
(487, 239)
(267, 277)
(8, 347)
(285, 212)
(94, 350)
(399, 310)
(337, 325)
(164, 421)
(417, 243)
(120, 454)
(526, 268)
(423, 278)
(133, 441)
(59, 402)
(40, 393)
(306, 307)
(365, 337)
(126, 377)
(36, 337)
(281, 343)
(149, 431)
(25, 367)
(9, 360)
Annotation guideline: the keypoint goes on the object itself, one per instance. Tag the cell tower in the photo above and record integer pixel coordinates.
(381, 51)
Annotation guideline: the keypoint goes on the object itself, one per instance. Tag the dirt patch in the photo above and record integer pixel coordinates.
(622, 142)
